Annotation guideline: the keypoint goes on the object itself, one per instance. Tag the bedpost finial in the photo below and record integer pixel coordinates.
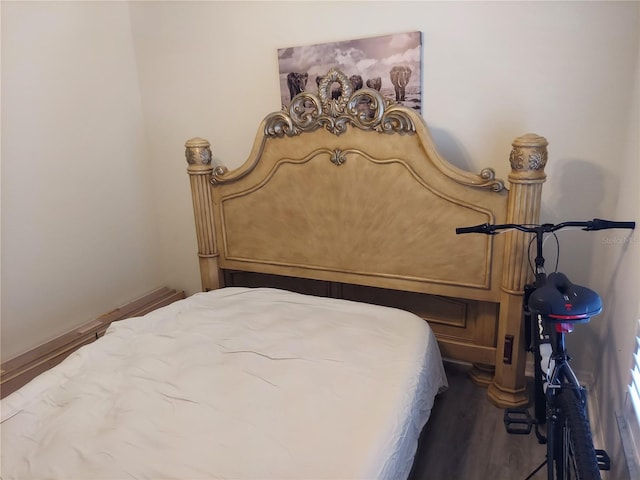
(529, 156)
(198, 151)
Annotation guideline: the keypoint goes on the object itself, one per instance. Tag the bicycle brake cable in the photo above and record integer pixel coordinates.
(533, 270)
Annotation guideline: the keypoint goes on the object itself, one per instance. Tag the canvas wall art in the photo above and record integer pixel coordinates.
(391, 64)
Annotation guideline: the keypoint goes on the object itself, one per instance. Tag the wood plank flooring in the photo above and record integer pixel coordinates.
(465, 438)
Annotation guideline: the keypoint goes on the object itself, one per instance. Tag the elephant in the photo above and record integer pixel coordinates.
(400, 76)
(297, 82)
(375, 83)
(356, 82)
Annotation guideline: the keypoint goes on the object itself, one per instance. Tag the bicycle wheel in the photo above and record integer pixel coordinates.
(574, 455)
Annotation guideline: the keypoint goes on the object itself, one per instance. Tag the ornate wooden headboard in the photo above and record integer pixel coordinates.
(348, 197)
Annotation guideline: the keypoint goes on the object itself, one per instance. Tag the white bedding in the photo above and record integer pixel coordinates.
(236, 384)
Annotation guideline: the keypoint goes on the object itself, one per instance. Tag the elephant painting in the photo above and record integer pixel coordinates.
(375, 83)
(297, 82)
(400, 76)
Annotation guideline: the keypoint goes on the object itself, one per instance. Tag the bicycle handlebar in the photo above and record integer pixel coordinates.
(482, 228)
(598, 224)
(595, 224)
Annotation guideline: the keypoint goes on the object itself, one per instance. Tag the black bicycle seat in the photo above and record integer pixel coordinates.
(562, 301)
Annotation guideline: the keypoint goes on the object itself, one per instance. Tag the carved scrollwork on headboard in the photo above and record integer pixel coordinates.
(338, 157)
(334, 110)
(489, 180)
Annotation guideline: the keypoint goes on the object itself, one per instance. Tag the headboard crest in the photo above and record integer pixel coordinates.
(334, 110)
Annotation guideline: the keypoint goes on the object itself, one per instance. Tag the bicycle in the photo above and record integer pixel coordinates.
(551, 306)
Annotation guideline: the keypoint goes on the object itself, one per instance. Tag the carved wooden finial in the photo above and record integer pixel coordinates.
(529, 157)
(198, 151)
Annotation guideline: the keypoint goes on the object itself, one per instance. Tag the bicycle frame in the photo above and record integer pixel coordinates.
(550, 328)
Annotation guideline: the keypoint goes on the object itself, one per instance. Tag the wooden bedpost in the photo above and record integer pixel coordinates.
(528, 159)
(198, 154)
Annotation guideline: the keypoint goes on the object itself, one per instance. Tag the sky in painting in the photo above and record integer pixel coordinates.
(368, 57)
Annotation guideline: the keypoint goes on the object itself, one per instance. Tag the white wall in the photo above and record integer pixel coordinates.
(78, 230)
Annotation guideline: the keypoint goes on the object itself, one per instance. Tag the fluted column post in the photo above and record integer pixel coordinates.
(528, 159)
(198, 154)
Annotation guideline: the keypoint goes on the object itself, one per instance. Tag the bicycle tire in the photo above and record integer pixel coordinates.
(574, 454)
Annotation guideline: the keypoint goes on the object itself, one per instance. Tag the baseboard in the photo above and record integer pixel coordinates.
(19, 370)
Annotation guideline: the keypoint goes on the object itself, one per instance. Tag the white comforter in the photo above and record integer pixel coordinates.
(235, 384)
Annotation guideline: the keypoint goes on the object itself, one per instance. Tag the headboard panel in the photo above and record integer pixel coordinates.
(374, 217)
(352, 191)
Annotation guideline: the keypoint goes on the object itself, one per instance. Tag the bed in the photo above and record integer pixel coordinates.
(236, 383)
(333, 285)
(348, 197)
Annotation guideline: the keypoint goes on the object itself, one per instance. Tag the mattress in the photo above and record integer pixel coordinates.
(235, 383)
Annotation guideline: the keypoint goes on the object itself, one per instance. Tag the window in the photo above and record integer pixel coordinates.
(634, 388)
(629, 421)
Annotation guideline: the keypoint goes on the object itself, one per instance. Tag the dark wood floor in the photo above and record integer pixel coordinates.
(465, 438)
